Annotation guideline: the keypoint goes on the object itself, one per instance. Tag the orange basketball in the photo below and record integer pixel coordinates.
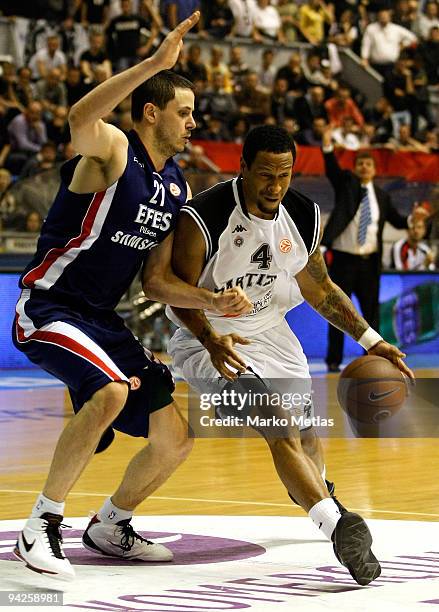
(371, 389)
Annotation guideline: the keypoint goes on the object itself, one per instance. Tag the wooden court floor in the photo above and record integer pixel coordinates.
(381, 478)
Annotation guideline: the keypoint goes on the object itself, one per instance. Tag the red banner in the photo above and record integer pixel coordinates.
(411, 166)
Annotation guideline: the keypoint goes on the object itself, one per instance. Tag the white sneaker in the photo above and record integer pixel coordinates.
(39, 546)
(120, 540)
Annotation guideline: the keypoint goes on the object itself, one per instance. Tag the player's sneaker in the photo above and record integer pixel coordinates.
(120, 540)
(352, 547)
(39, 546)
(331, 490)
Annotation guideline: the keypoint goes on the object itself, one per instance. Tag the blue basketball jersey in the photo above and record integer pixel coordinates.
(92, 245)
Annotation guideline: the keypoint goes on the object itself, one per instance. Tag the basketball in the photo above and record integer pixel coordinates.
(371, 389)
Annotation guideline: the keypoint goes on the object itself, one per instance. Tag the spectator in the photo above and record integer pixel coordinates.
(75, 86)
(282, 101)
(405, 141)
(175, 11)
(7, 200)
(293, 73)
(33, 222)
(196, 68)
(267, 23)
(310, 106)
(344, 33)
(58, 129)
(67, 151)
(381, 117)
(313, 15)
(399, 88)
(405, 14)
(7, 86)
(253, 101)
(124, 36)
(412, 253)
(95, 56)
(215, 64)
(45, 159)
(218, 18)
(312, 136)
(346, 136)
(289, 12)
(27, 134)
(6, 116)
(342, 105)
(24, 88)
(243, 17)
(47, 58)
(290, 125)
(51, 92)
(95, 12)
(427, 20)
(382, 42)
(215, 130)
(238, 130)
(221, 104)
(312, 69)
(429, 51)
(238, 68)
(267, 71)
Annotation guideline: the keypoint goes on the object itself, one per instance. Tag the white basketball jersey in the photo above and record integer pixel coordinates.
(260, 256)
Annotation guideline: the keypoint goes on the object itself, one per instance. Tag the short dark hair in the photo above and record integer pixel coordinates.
(268, 138)
(364, 155)
(158, 90)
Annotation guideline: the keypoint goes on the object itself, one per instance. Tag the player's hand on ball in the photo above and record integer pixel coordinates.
(232, 302)
(223, 355)
(393, 354)
(167, 54)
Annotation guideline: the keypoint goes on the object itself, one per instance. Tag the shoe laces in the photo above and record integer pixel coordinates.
(129, 536)
(53, 533)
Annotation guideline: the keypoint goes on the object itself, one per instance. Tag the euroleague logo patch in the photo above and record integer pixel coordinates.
(239, 241)
(174, 189)
(285, 245)
(135, 383)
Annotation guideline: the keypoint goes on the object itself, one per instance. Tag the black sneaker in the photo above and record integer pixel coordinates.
(352, 547)
(331, 490)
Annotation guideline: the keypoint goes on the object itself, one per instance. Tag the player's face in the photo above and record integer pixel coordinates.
(175, 122)
(267, 181)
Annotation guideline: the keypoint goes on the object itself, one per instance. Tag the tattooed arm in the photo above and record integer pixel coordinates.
(328, 299)
(334, 305)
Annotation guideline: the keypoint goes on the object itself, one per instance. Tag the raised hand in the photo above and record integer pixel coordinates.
(232, 302)
(167, 54)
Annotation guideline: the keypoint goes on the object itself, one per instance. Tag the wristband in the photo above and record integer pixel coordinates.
(369, 339)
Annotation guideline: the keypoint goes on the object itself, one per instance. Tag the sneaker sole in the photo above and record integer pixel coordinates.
(352, 547)
(38, 570)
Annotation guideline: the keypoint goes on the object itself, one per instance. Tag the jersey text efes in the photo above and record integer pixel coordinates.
(261, 256)
(92, 245)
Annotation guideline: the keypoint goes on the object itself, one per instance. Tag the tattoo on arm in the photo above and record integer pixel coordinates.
(338, 309)
(316, 267)
(204, 334)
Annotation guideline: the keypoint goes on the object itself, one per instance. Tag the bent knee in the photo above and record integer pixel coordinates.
(104, 406)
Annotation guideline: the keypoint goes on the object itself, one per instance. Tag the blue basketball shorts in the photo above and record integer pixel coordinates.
(88, 351)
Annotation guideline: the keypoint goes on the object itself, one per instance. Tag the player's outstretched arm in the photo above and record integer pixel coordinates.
(91, 136)
(335, 306)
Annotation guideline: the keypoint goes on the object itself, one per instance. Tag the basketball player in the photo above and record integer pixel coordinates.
(115, 210)
(255, 232)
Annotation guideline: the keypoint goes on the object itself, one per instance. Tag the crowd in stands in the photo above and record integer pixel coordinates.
(81, 43)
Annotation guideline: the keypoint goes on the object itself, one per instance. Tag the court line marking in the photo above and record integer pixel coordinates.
(222, 501)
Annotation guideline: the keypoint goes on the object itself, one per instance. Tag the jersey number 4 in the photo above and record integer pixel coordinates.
(262, 256)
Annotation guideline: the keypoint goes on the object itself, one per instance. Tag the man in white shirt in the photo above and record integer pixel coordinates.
(48, 58)
(244, 16)
(382, 42)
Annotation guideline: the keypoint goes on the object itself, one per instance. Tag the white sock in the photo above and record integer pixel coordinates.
(325, 515)
(44, 504)
(109, 513)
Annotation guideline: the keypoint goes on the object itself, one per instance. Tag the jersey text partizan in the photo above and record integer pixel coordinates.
(260, 256)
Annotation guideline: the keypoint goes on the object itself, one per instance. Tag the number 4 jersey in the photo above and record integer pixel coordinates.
(260, 256)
